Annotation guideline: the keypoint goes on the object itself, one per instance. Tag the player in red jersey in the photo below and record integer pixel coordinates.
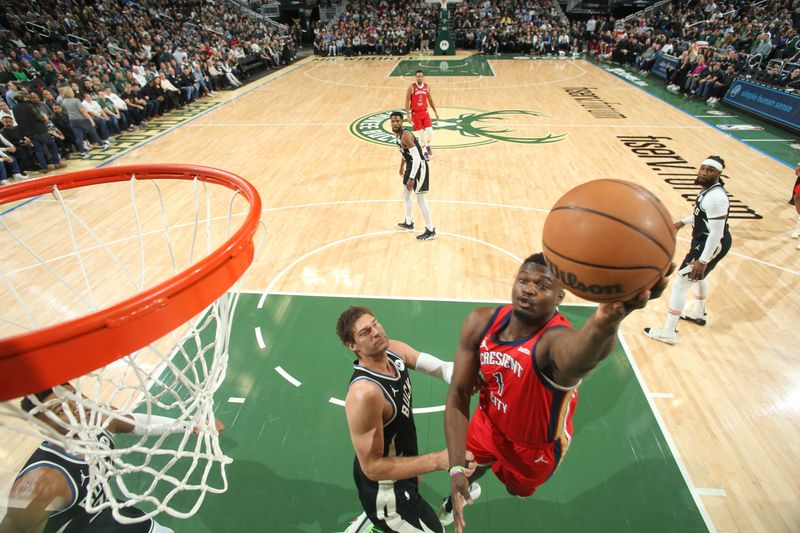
(532, 362)
(418, 97)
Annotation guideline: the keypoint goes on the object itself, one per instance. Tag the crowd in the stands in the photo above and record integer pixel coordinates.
(74, 75)
(714, 43)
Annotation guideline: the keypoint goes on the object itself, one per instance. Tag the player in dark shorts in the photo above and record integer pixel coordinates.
(416, 177)
(379, 415)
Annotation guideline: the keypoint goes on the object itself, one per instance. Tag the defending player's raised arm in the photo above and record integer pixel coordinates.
(423, 362)
(364, 409)
(33, 498)
(574, 353)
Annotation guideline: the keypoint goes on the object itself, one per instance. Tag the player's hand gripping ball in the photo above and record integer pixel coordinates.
(608, 240)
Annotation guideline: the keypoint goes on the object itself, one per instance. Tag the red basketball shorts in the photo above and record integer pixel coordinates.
(520, 468)
(421, 120)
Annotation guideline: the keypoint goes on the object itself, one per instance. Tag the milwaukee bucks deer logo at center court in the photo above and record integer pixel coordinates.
(460, 127)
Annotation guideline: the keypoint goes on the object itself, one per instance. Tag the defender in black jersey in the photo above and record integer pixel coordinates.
(379, 414)
(416, 176)
(711, 241)
(51, 490)
(49, 471)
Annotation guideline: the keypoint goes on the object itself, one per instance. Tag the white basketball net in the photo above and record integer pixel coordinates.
(61, 260)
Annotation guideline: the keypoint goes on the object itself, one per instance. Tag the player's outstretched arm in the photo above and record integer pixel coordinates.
(423, 362)
(364, 407)
(33, 498)
(456, 415)
(574, 353)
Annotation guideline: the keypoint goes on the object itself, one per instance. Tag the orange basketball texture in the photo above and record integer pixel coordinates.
(607, 240)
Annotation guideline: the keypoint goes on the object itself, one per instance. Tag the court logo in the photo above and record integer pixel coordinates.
(461, 128)
(739, 127)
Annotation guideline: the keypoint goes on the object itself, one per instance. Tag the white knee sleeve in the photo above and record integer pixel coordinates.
(677, 298)
(408, 204)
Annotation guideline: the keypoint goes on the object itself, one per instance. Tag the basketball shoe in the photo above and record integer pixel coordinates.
(699, 320)
(428, 235)
(661, 335)
(796, 234)
(406, 227)
(446, 510)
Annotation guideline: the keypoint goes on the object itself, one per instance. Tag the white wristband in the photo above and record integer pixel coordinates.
(433, 366)
(155, 425)
(687, 220)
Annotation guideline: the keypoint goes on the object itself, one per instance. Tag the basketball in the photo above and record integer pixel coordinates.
(607, 240)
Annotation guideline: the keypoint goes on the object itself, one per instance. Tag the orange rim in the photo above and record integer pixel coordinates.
(40, 359)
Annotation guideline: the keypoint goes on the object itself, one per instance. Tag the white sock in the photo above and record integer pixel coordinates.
(429, 135)
(409, 205)
(677, 301)
(420, 135)
(426, 211)
(700, 293)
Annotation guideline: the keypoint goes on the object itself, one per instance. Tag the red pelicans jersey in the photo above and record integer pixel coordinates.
(419, 98)
(523, 403)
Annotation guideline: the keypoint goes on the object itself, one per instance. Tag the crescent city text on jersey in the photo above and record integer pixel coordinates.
(502, 359)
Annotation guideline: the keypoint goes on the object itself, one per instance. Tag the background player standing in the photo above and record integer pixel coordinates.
(416, 177)
(711, 241)
(418, 96)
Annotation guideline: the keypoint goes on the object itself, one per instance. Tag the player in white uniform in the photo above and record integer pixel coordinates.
(711, 241)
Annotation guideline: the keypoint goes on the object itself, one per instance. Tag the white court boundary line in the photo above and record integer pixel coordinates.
(667, 437)
(287, 376)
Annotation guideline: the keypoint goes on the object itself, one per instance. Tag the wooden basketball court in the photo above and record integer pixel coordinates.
(513, 137)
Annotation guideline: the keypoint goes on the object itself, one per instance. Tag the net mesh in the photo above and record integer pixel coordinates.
(77, 251)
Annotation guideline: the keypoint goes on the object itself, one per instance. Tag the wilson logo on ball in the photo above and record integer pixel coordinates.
(610, 239)
(568, 279)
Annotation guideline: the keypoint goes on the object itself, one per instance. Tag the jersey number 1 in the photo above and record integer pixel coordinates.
(499, 378)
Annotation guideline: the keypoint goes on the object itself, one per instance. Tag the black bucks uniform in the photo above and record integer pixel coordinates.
(394, 505)
(421, 175)
(74, 518)
(711, 203)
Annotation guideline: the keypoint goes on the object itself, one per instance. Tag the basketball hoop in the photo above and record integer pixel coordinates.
(149, 285)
